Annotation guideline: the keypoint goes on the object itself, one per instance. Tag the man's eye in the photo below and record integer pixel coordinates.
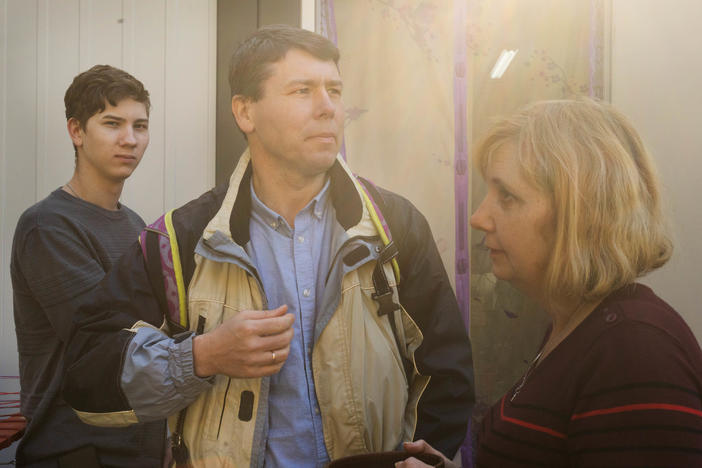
(302, 91)
(142, 126)
(112, 123)
(334, 91)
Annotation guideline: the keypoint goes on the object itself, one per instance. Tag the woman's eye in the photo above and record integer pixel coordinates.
(506, 197)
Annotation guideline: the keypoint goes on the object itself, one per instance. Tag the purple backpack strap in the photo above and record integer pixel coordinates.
(160, 249)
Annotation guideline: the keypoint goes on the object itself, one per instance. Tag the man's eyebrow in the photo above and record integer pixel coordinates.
(113, 117)
(314, 82)
(121, 119)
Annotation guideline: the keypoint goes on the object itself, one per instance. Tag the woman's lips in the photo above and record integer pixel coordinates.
(494, 251)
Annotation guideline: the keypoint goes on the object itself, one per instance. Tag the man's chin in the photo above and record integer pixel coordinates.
(322, 162)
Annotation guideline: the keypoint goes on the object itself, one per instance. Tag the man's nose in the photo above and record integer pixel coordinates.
(326, 105)
(128, 137)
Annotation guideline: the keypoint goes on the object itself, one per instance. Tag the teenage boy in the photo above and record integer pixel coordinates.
(62, 248)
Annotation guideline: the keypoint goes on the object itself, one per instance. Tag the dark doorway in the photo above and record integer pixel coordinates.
(236, 19)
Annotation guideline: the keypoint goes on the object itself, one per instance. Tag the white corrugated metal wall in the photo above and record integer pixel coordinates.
(170, 45)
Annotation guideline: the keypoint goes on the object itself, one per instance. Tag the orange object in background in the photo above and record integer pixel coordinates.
(11, 429)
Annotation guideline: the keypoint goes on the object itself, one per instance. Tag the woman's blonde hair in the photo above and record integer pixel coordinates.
(604, 188)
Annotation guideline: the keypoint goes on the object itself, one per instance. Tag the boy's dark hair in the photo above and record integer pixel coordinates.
(250, 63)
(90, 90)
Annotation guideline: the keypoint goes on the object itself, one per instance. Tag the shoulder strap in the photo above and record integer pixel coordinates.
(383, 293)
(375, 203)
(159, 245)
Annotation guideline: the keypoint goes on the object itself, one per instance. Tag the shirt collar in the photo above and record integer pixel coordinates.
(316, 206)
(319, 203)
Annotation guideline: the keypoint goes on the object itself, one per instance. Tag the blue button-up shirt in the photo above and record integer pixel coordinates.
(292, 264)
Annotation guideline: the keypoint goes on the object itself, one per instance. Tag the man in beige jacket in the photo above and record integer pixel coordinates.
(294, 332)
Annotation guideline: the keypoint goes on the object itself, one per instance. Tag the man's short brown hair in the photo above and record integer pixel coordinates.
(91, 90)
(250, 63)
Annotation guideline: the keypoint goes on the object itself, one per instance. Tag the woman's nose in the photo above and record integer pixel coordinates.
(481, 219)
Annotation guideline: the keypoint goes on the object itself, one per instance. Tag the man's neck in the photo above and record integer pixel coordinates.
(102, 193)
(285, 192)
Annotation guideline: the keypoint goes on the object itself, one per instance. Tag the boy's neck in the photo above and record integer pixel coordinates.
(100, 192)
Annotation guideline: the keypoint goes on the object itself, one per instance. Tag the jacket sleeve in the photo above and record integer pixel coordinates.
(120, 367)
(445, 354)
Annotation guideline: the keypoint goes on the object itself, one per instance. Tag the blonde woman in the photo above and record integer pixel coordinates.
(572, 218)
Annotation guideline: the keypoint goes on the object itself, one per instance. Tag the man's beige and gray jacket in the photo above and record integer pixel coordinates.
(126, 365)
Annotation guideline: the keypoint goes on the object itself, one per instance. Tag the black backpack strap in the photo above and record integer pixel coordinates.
(160, 250)
(383, 292)
(153, 266)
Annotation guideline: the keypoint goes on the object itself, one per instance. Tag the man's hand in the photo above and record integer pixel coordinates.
(418, 447)
(253, 343)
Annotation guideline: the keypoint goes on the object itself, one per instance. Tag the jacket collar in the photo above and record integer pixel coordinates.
(232, 218)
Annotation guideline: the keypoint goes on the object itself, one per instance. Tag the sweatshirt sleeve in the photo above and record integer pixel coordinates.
(58, 270)
(121, 368)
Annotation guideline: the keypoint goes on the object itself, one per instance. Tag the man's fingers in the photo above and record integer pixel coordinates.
(418, 446)
(264, 314)
(273, 325)
(410, 463)
(273, 342)
(272, 358)
(265, 322)
(266, 363)
(277, 312)
(421, 446)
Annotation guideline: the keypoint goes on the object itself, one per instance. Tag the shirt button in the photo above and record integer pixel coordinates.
(274, 225)
(306, 293)
(300, 239)
(316, 410)
(611, 317)
(309, 350)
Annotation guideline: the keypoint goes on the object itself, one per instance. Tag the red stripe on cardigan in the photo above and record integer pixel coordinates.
(637, 407)
(534, 427)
